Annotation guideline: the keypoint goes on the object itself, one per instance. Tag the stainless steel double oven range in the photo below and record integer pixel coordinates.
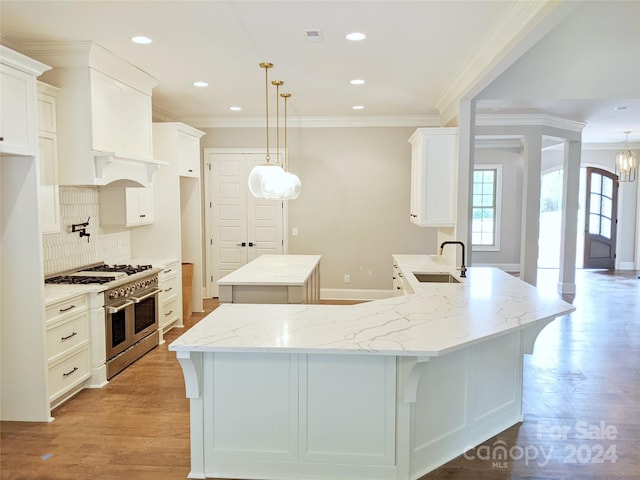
(131, 309)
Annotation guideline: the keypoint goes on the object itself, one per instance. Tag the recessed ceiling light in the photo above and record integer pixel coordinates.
(200, 84)
(356, 36)
(356, 81)
(141, 40)
(620, 108)
(235, 109)
(358, 107)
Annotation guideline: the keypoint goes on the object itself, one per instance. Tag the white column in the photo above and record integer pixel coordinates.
(466, 145)
(530, 208)
(569, 221)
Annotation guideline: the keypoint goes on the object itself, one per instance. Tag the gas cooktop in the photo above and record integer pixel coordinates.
(99, 273)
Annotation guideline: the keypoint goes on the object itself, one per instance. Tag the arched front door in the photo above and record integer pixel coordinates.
(601, 219)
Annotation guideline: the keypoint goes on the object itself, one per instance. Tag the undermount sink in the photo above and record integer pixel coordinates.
(435, 278)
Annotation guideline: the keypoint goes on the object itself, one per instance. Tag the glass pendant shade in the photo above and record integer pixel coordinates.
(268, 181)
(626, 165)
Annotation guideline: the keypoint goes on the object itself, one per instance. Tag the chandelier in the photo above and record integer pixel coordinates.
(626, 163)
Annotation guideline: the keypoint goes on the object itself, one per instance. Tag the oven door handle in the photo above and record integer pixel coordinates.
(111, 310)
(150, 294)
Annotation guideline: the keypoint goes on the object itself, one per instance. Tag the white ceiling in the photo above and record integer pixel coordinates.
(414, 53)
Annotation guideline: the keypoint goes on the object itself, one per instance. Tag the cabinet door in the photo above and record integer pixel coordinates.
(138, 206)
(434, 160)
(106, 113)
(17, 104)
(189, 155)
(136, 123)
(49, 190)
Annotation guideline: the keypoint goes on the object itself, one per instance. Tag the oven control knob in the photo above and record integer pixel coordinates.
(122, 292)
(113, 294)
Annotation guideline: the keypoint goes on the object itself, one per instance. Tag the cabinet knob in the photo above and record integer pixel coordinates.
(1, 139)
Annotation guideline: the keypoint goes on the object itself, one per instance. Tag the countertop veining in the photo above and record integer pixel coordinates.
(436, 319)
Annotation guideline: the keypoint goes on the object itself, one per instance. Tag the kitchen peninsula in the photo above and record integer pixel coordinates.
(388, 389)
(273, 279)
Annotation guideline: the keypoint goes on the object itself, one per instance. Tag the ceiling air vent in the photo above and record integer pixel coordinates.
(313, 35)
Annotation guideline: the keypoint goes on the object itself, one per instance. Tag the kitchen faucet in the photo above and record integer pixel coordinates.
(463, 269)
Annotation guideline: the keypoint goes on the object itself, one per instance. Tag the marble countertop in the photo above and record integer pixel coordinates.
(437, 319)
(273, 270)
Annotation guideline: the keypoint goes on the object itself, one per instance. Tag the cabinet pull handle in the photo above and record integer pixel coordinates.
(168, 313)
(243, 244)
(167, 270)
(168, 289)
(67, 309)
(75, 369)
(68, 336)
(142, 216)
(251, 244)
(191, 170)
(1, 139)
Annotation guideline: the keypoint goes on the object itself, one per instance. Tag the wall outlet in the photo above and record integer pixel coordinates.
(294, 231)
(347, 278)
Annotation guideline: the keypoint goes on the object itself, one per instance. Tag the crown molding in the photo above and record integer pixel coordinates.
(318, 122)
(529, 119)
(499, 141)
(521, 26)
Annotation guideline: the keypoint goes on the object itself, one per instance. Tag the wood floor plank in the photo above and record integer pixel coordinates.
(585, 368)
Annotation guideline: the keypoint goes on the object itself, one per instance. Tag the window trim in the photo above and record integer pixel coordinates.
(497, 167)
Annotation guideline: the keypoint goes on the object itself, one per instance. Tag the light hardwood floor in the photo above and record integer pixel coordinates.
(585, 370)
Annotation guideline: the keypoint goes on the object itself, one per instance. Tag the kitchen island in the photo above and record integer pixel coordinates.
(389, 389)
(273, 279)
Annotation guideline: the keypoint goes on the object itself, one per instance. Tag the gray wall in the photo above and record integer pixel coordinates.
(354, 205)
(511, 160)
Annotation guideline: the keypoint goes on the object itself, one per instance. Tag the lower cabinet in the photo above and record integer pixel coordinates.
(68, 348)
(170, 311)
(400, 285)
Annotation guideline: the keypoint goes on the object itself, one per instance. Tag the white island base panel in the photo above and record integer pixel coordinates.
(273, 279)
(352, 415)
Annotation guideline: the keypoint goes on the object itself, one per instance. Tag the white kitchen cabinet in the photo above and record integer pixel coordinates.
(68, 348)
(178, 204)
(434, 156)
(49, 195)
(170, 298)
(126, 206)
(189, 154)
(104, 115)
(17, 103)
(121, 118)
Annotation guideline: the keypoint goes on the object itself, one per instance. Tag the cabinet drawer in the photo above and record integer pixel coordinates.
(170, 312)
(169, 287)
(168, 271)
(66, 335)
(66, 307)
(68, 373)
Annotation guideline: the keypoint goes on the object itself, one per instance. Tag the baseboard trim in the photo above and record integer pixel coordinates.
(353, 294)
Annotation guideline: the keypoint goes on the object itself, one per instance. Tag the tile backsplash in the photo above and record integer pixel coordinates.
(66, 250)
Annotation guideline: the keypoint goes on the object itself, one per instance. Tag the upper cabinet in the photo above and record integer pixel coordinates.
(434, 160)
(104, 114)
(18, 103)
(49, 196)
(178, 144)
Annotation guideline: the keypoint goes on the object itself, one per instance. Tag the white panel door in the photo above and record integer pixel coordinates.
(241, 227)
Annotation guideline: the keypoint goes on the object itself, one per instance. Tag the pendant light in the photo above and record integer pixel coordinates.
(626, 163)
(293, 182)
(266, 180)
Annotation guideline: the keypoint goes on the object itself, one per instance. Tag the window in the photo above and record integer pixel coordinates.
(486, 201)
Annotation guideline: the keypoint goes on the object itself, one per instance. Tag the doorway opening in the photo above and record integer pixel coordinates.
(596, 239)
